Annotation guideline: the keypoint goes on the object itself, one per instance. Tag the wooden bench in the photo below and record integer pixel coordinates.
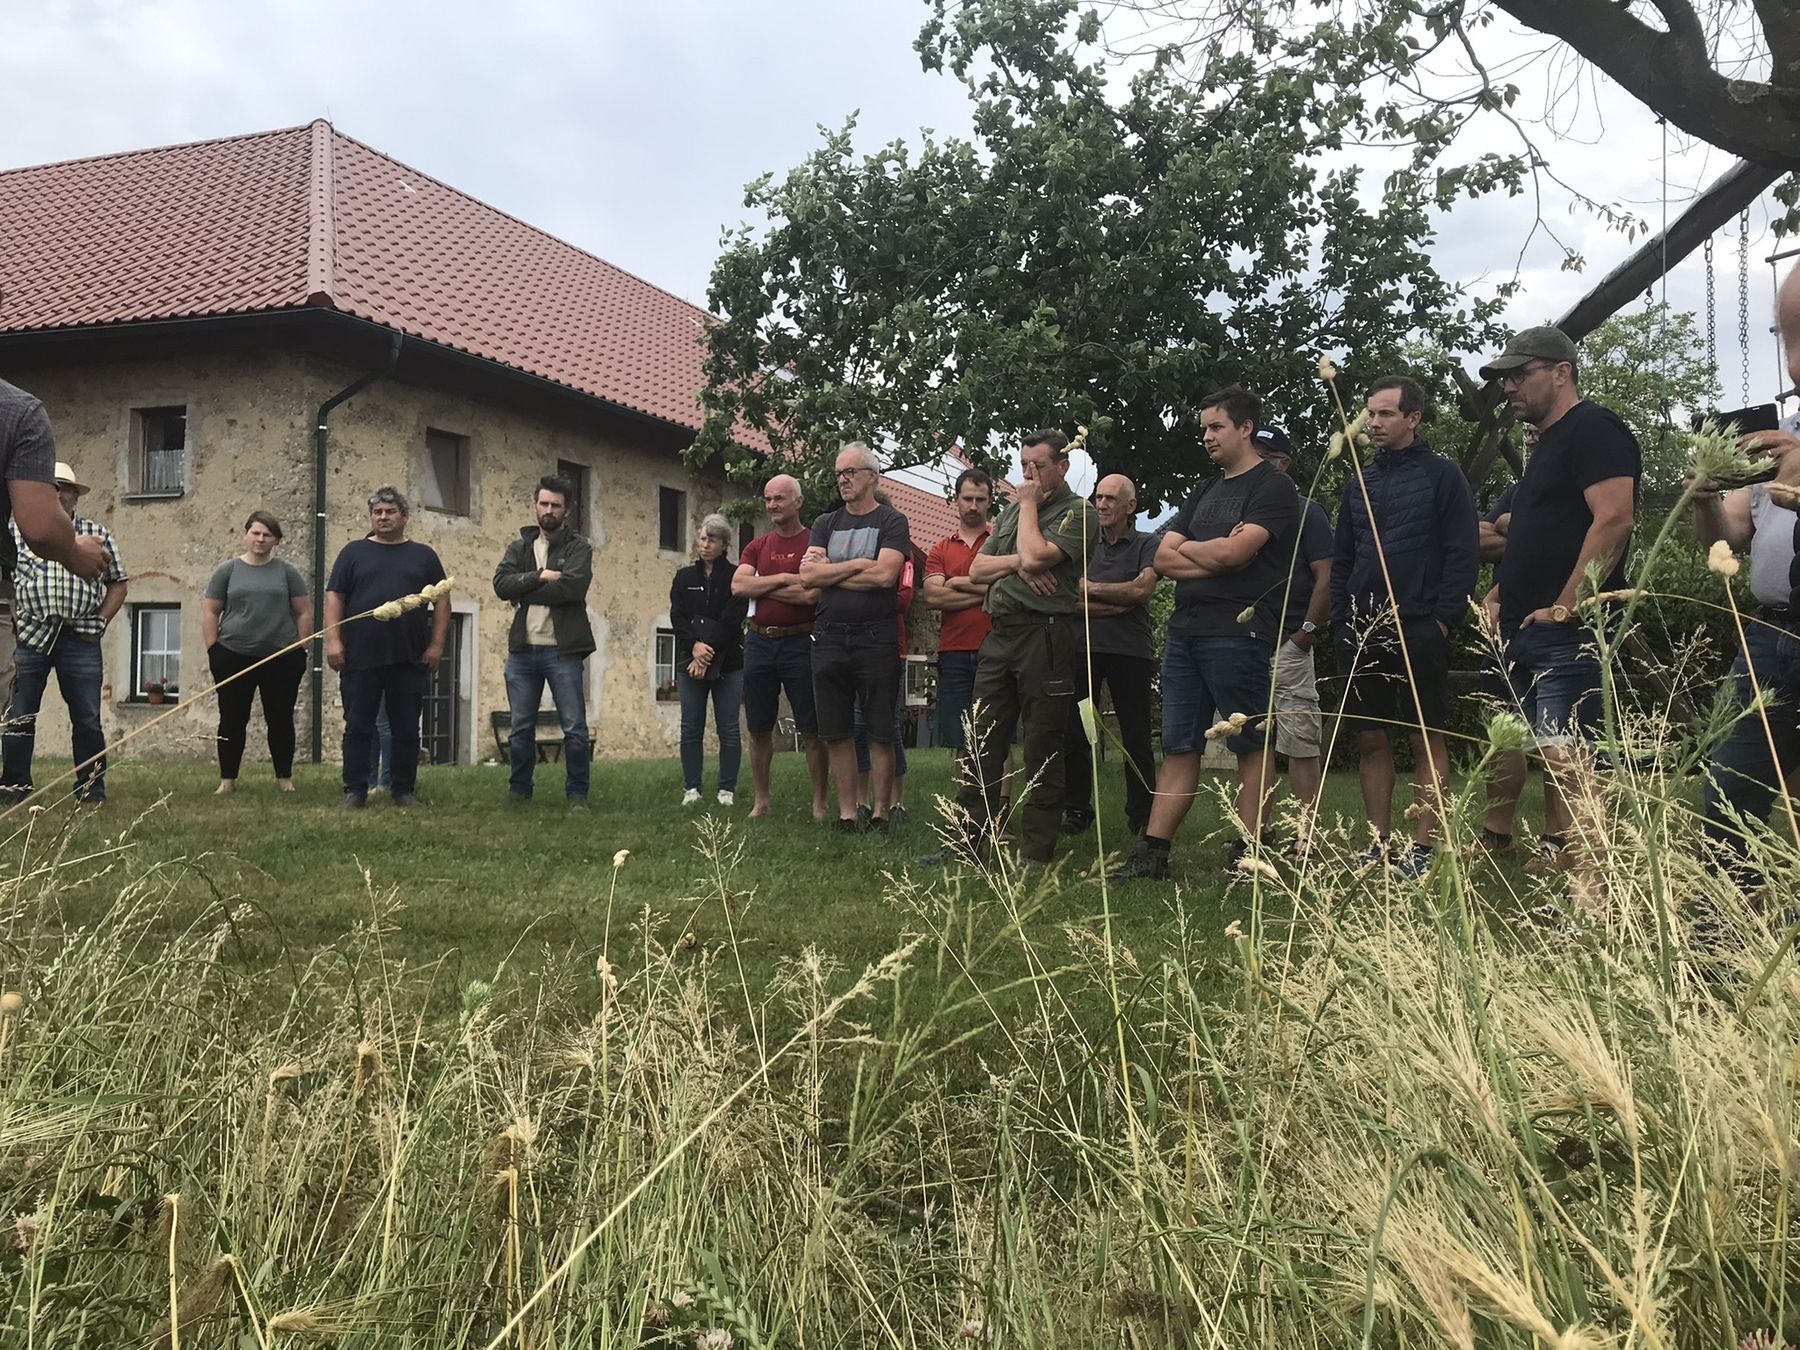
(549, 734)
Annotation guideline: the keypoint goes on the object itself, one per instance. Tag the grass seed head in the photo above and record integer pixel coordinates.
(1722, 560)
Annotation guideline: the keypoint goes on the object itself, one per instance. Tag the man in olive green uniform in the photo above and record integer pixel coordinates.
(1032, 565)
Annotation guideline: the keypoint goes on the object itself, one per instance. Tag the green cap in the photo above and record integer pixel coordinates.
(1531, 344)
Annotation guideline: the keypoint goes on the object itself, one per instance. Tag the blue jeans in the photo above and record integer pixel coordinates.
(363, 691)
(955, 693)
(1206, 680)
(1553, 670)
(79, 672)
(527, 672)
(1742, 776)
(859, 733)
(381, 756)
(726, 695)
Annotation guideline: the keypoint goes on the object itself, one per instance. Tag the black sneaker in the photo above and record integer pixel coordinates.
(1076, 822)
(1143, 863)
(406, 801)
(354, 801)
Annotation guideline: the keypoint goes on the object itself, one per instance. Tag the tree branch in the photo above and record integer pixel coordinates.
(1674, 76)
(1684, 24)
(1781, 30)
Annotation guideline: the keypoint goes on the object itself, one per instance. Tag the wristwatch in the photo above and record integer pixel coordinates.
(1309, 627)
(1561, 613)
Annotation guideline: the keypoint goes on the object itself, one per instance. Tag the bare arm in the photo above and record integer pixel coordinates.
(1172, 563)
(1611, 502)
(211, 611)
(112, 601)
(440, 632)
(1222, 557)
(988, 568)
(334, 635)
(1726, 518)
(51, 534)
(301, 605)
(881, 573)
(1318, 609)
(941, 595)
(1493, 538)
(1122, 594)
(747, 585)
(1036, 553)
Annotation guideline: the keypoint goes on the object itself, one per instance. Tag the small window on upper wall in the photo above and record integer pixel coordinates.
(446, 486)
(158, 452)
(155, 653)
(672, 513)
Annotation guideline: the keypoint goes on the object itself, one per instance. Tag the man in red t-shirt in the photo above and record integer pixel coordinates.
(778, 647)
(949, 591)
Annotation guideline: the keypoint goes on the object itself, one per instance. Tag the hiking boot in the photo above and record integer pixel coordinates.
(1143, 863)
(353, 801)
(1077, 822)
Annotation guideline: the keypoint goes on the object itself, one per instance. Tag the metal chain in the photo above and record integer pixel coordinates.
(1712, 317)
(1744, 299)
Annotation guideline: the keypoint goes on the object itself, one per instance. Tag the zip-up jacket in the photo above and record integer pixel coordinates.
(703, 609)
(516, 579)
(1426, 515)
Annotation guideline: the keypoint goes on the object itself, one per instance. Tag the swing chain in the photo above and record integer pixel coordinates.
(1744, 299)
(1712, 318)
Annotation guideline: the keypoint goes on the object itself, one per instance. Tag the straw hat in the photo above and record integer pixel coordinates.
(65, 476)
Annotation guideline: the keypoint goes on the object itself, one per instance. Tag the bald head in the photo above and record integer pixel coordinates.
(1115, 500)
(781, 500)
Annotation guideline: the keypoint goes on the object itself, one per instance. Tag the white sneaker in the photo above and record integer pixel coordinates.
(691, 797)
(727, 798)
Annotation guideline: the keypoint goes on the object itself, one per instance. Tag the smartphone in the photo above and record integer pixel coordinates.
(1760, 417)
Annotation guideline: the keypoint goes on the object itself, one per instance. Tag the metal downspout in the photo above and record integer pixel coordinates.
(321, 440)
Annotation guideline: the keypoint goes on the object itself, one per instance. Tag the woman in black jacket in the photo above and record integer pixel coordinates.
(709, 658)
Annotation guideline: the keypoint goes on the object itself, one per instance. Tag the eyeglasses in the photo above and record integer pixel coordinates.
(851, 473)
(1518, 376)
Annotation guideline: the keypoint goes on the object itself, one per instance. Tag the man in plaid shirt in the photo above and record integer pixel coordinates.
(59, 619)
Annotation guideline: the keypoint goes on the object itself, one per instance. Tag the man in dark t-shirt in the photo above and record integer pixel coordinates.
(1120, 655)
(378, 658)
(1574, 508)
(853, 563)
(1229, 549)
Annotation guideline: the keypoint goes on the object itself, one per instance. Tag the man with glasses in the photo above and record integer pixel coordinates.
(1032, 566)
(1573, 510)
(376, 659)
(778, 648)
(853, 564)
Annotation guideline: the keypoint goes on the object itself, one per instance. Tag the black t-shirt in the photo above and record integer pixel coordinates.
(1550, 517)
(1502, 504)
(1317, 544)
(1209, 607)
(27, 453)
(368, 574)
(844, 536)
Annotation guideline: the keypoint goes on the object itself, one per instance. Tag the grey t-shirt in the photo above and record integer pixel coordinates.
(1771, 548)
(259, 604)
(1126, 634)
(27, 453)
(845, 536)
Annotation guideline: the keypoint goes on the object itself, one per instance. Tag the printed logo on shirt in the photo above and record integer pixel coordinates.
(845, 545)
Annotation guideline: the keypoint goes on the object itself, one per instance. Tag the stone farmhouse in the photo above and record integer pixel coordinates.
(289, 319)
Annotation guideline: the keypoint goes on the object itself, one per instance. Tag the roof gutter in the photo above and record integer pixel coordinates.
(321, 443)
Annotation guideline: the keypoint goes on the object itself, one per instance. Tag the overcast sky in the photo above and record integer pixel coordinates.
(630, 130)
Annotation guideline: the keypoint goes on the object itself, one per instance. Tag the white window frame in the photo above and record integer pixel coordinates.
(663, 693)
(141, 650)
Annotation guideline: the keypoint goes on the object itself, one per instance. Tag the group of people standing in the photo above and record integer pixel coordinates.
(1041, 607)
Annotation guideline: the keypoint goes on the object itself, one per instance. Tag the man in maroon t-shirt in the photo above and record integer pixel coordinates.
(958, 600)
(778, 647)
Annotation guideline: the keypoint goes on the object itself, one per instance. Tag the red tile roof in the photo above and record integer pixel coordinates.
(929, 517)
(307, 216)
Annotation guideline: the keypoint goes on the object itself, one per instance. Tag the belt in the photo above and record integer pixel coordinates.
(1779, 615)
(770, 630)
(874, 626)
(1026, 619)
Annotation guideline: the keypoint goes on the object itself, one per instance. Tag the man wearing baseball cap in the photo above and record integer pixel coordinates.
(59, 619)
(1573, 510)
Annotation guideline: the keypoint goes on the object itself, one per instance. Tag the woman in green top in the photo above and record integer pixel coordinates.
(256, 605)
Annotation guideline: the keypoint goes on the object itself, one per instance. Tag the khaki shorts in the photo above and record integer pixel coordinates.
(1298, 726)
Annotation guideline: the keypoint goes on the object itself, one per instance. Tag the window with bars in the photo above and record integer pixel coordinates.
(665, 665)
(159, 451)
(155, 652)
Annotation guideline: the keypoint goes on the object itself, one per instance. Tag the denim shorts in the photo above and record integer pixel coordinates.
(1207, 679)
(772, 665)
(1553, 671)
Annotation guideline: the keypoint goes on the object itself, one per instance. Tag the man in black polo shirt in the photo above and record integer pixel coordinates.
(1573, 509)
(375, 658)
(854, 564)
(1121, 575)
(1229, 550)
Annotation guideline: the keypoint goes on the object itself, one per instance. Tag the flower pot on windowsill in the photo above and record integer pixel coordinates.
(155, 696)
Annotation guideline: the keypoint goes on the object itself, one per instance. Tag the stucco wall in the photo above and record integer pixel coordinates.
(249, 445)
